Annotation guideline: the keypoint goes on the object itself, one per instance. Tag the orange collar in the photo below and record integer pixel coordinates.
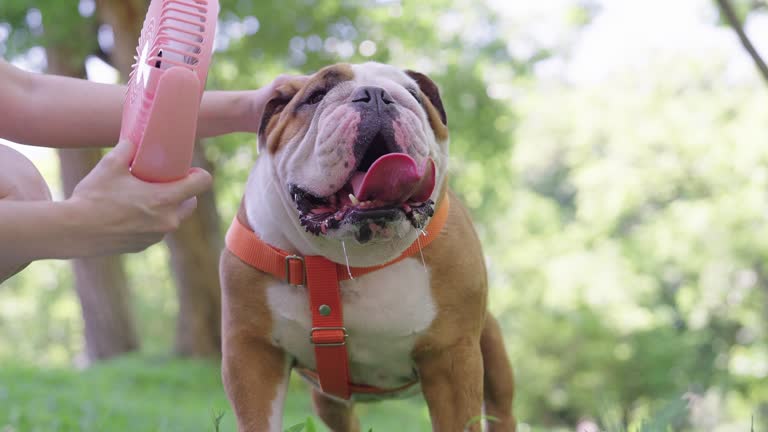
(321, 277)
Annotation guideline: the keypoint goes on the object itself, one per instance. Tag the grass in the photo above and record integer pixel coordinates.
(156, 395)
(160, 394)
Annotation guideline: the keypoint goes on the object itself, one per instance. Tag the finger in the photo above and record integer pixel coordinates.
(186, 208)
(196, 182)
(120, 156)
(282, 79)
(288, 85)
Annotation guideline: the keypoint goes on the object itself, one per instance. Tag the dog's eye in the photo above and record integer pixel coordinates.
(316, 97)
(415, 94)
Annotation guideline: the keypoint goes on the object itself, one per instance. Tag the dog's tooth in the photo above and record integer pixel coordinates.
(354, 199)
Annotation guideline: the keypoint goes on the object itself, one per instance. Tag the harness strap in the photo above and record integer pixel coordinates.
(328, 334)
(321, 278)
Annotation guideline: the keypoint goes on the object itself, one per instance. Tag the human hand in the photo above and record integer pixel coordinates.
(271, 90)
(121, 213)
(223, 112)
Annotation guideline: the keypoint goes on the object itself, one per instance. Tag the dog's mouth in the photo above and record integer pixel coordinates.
(383, 188)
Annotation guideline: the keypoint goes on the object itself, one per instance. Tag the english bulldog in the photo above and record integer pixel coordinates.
(352, 174)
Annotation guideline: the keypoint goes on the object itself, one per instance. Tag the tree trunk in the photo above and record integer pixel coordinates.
(195, 247)
(100, 282)
(125, 17)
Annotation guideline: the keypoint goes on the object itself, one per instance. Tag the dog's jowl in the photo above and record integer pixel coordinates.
(352, 262)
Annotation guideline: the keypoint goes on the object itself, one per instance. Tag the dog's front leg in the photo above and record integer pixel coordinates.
(255, 375)
(254, 370)
(452, 382)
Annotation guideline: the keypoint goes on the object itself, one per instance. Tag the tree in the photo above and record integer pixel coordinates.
(195, 249)
(100, 282)
(733, 20)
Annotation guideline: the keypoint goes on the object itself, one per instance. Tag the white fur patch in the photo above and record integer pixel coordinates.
(276, 414)
(384, 313)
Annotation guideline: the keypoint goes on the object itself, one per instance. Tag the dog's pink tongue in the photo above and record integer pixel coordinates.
(395, 178)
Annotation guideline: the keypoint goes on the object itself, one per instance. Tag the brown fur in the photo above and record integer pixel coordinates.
(252, 366)
(338, 416)
(498, 385)
(432, 103)
(278, 123)
(448, 357)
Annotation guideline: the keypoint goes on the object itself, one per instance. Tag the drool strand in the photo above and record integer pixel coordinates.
(346, 259)
(418, 241)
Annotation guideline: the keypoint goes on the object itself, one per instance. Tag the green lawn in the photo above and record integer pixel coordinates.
(155, 394)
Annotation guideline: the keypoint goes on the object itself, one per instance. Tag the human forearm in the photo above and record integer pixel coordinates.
(77, 113)
(223, 112)
(31, 230)
(110, 211)
(57, 111)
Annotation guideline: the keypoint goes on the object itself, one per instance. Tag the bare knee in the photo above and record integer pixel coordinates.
(19, 178)
(19, 181)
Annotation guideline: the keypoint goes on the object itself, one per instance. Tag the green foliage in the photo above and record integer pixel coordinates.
(480, 419)
(645, 231)
(161, 394)
(60, 25)
(296, 428)
(153, 394)
(217, 417)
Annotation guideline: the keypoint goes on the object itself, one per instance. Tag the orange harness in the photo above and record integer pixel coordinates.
(321, 278)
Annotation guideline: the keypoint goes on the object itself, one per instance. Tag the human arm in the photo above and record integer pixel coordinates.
(64, 112)
(223, 112)
(110, 212)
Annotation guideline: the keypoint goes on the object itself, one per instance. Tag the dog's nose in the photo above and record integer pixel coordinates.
(372, 96)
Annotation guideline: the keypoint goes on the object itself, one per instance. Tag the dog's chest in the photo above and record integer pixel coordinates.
(384, 313)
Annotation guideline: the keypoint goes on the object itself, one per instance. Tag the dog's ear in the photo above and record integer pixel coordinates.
(281, 96)
(430, 90)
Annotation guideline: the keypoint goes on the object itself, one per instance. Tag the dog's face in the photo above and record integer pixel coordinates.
(359, 151)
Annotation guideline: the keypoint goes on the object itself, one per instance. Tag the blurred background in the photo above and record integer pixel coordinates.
(613, 154)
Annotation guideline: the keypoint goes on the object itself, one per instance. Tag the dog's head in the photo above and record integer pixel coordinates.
(359, 151)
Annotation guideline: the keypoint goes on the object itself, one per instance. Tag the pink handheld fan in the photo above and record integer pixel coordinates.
(166, 86)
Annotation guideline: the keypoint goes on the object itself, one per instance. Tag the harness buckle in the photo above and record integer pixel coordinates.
(341, 342)
(288, 260)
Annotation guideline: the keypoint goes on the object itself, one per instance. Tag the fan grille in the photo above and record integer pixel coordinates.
(181, 27)
(176, 33)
